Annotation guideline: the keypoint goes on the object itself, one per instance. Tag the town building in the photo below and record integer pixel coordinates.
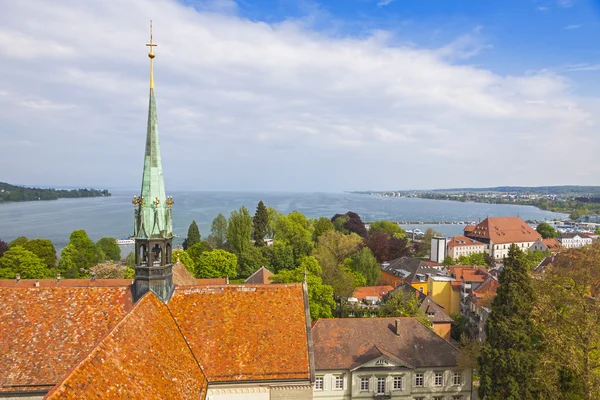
(469, 278)
(551, 244)
(409, 270)
(261, 276)
(438, 249)
(445, 291)
(154, 338)
(574, 240)
(385, 358)
(479, 306)
(441, 321)
(371, 294)
(499, 233)
(463, 246)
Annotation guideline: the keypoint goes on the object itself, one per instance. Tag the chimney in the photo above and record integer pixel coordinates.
(18, 276)
(57, 278)
(227, 280)
(93, 276)
(397, 331)
(37, 284)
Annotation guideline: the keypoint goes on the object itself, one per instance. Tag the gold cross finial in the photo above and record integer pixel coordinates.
(151, 55)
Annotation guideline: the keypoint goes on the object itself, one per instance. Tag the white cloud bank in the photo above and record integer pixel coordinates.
(245, 105)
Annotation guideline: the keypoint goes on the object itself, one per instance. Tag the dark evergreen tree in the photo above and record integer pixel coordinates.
(508, 360)
(261, 224)
(193, 236)
(351, 223)
(3, 247)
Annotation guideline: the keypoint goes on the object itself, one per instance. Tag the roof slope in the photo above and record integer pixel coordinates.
(504, 230)
(261, 276)
(462, 241)
(46, 331)
(339, 343)
(145, 354)
(427, 304)
(408, 268)
(245, 333)
(362, 292)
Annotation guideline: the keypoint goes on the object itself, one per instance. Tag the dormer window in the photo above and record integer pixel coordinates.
(381, 362)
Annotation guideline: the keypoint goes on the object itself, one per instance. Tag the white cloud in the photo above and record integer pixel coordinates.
(574, 26)
(383, 3)
(565, 3)
(246, 105)
(542, 9)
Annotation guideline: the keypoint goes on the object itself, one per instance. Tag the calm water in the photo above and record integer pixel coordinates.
(113, 216)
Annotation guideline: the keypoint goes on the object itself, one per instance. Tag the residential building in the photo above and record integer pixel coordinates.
(409, 270)
(438, 249)
(445, 291)
(574, 240)
(499, 233)
(469, 278)
(463, 246)
(385, 358)
(261, 277)
(479, 306)
(551, 244)
(152, 337)
(371, 294)
(442, 323)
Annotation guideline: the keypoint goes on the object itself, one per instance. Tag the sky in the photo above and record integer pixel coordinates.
(302, 95)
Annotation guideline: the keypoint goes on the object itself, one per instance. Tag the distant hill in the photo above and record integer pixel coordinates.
(569, 190)
(12, 193)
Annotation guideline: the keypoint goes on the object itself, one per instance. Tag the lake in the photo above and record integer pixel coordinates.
(113, 216)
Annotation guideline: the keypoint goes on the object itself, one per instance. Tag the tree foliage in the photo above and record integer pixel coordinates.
(17, 260)
(20, 241)
(216, 264)
(295, 230)
(250, 261)
(110, 248)
(365, 264)
(3, 247)
(44, 249)
(109, 270)
(239, 230)
(193, 235)
(508, 357)
(349, 223)
(321, 225)
(197, 250)
(386, 247)
(280, 256)
(388, 227)
(79, 256)
(546, 230)
(261, 224)
(218, 230)
(400, 303)
(332, 250)
(184, 258)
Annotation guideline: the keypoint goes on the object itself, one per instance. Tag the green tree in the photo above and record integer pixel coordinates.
(508, 358)
(3, 247)
(597, 231)
(110, 248)
(576, 214)
(280, 256)
(193, 236)
(273, 215)
(17, 260)
(216, 264)
(184, 258)
(196, 251)
(365, 264)
(459, 327)
(320, 226)
(295, 230)
(79, 255)
(448, 261)
(332, 250)
(250, 261)
(239, 230)
(44, 249)
(261, 224)
(218, 230)
(20, 241)
(320, 296)
(392, 229)
(400, 303)
(546, 230)
(339, 224)
(130, 259)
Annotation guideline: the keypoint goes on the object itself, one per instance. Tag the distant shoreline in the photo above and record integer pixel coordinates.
(18, 194)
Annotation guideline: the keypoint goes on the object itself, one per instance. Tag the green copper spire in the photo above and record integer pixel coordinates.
(153, 208)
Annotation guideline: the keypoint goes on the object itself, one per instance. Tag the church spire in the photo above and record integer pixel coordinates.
(153, 227)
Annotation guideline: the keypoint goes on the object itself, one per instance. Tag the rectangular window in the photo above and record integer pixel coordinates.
(319, 383)
(397, 383)
(439, 379)
(339, 382)
(457, 379)
(364, 384)
(419, 380)
(457, 398)
(380, 385)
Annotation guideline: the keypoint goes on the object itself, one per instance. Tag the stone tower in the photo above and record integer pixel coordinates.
(153, 227)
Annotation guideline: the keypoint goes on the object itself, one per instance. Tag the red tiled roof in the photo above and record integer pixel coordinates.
(459, 241)
(183, 277)
(504, 230)
(552, 244)
(67, 283)
(467, 273)
(144, 356)
(245, 332)
(262, 276)
(488, 287)
(362, 292)
(45, 331)
(345, 343)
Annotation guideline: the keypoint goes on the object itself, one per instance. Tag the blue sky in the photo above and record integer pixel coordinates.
(303, 95)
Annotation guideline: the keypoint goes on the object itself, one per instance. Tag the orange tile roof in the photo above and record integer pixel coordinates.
(145, 355)
(362, 292)
(468, 273)
(68, 283)
(45, 331)
(459, 241)
(487, 287)
(262, 276)
(245, 332)
(183, 277)
(504, 230)
(552, 244)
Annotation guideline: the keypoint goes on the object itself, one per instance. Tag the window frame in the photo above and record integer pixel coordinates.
(362, 380)
(459, 376)
(321, 380)
(400, 380)
(338, 379)
(421, 377)
(439, 375)
(380, 381)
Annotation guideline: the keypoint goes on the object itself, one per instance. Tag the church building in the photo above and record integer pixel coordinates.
(154, 338)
